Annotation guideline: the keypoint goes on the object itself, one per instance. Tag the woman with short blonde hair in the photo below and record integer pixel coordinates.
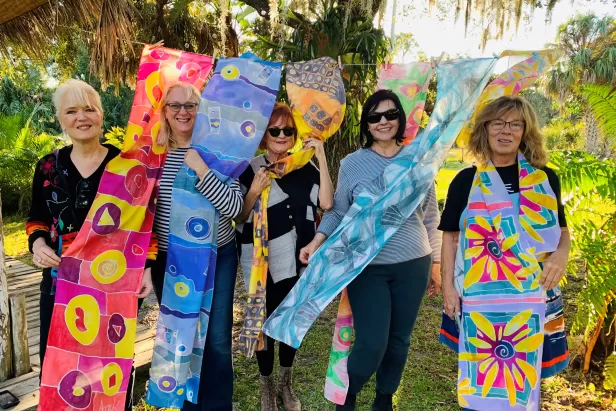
(63, 190)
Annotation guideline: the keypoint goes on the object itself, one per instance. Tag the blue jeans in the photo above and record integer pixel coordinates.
(216, 385)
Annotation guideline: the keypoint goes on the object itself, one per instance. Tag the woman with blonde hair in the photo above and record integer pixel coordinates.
(505, 249)
(180, 104)
(64, 186)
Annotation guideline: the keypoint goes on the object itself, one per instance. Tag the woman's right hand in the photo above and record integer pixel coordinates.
(261, 181)
(44, 256)
(451, 301)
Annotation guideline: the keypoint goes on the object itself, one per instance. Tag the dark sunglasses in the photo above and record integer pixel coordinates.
(390, 115)
(275, 131)
(176, 107)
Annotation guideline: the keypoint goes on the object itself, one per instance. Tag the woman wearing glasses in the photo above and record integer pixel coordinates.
(385, 298)
(65, 184)
(503, 219)
(180, 104)
(291, 216)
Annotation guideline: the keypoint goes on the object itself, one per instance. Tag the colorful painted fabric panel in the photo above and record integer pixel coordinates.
(93, 328)
(555, 355)
(512, 81)
(318, 102)
(379, 211)
(504, 306)
(233, 114)
(410, 83)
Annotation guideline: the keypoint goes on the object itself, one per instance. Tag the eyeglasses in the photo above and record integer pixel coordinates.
(176, 107)
(516, 125)
(275, 131)
(390, 115)
(83, 188)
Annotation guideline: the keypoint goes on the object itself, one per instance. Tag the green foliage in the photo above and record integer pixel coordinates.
(609, 372)
(602, 102)
(20, 149)
(564, 135)
(589, 190)
(543, 105)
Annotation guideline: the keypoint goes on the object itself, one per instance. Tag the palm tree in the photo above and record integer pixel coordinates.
(589, 43)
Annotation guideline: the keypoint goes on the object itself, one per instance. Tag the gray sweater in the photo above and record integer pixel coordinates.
(416, 238)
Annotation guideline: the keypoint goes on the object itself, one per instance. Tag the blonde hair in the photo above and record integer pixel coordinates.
(165, 136)
(280, 111)
(79, 94)
(531, 146)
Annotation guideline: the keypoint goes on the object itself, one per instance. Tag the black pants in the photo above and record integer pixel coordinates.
(275, 293)
(385, 300)
(45, 314)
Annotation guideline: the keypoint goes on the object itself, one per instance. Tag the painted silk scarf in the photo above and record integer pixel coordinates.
(504, 305)
(410, 83)
(233, 114)
(512, 81)
(318, 101)
(93, 328)
(379, 211)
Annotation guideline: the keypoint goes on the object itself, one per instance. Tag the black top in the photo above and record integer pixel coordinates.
(460, 189)
(61, 200)
(294, 212)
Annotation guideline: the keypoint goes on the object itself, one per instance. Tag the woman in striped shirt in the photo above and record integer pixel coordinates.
(385, 298)
(180, 103)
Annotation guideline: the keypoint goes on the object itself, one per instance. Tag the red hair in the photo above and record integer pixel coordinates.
(281, 111)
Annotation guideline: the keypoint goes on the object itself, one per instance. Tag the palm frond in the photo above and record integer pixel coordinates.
(609, 372)
(602, 102)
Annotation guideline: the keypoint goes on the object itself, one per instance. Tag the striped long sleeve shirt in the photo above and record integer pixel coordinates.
(416, 238)
(227, 199)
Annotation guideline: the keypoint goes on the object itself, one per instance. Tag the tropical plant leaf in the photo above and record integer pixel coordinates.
(609, 372)
(602, 102)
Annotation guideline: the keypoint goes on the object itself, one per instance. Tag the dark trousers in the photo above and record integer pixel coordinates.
(216, 382)
(275, 293)
(385, 300)
(45, 314)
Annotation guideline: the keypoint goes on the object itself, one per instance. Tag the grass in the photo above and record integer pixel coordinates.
(429, 379)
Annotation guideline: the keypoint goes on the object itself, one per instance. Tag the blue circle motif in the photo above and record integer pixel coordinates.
(198, 228)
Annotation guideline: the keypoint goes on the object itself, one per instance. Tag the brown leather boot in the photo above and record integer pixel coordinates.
(285, 390)
(268, 393)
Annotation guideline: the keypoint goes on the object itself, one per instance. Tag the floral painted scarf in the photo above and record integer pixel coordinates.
(504, 306)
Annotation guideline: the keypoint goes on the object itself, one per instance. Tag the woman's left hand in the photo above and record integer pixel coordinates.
(194, 161)
(554, 269)
(146, 284)
(319, 150)
(434, 286)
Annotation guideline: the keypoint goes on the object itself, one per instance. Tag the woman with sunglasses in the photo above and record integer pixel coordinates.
(65, 184)
(180, 104)
(291, 216)
(385, 298)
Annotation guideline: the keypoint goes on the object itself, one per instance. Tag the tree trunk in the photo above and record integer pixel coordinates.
(594, 336)
(5, 326)
(591, 132)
